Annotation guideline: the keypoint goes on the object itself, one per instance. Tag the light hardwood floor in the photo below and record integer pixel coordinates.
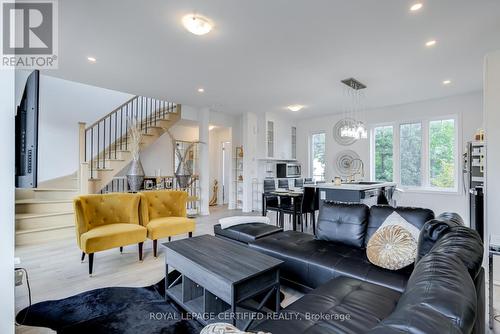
(55, 270)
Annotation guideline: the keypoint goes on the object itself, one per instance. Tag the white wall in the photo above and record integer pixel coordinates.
(7, 112)
(160, 154)
(468, 108)
(492, 125)
(63, 104)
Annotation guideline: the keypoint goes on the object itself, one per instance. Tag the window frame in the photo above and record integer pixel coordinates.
(310, 155)
(425, 159)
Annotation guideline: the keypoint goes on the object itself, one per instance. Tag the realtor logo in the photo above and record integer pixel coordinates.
(29, 34)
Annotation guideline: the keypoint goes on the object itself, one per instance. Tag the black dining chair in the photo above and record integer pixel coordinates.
(283, 184)
(298, 183)
(270, 202)
(307, 206)
(308, 180)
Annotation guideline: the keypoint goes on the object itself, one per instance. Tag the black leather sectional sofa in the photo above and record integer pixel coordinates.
(442, 293)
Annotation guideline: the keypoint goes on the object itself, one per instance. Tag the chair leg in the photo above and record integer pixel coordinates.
(83, 256)
(121, 249)
(91, 263)
(140, 250)
(314, 222)
(301, 222)
(155, 248)
(190, 234)
(277, 219)
(169, 239)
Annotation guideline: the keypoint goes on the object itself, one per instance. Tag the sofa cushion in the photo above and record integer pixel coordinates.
(379, 213)
(342, 305)
(435, 229)
(465, 244)
(343, 223)
(111, 236)
(169, 226)
(246, 233)
(440, 298)
(311, 263)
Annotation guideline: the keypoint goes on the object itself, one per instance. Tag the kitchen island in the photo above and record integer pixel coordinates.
(369, 193)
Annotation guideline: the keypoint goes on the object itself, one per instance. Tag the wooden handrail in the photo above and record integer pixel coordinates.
(112, 112)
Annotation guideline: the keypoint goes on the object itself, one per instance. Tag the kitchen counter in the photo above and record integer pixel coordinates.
(352, 186)
(369, 193)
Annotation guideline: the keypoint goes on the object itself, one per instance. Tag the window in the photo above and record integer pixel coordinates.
(318, 156)
(410, 154)
(383, 153)
(426, 154)
(294, 142)
(442, 153)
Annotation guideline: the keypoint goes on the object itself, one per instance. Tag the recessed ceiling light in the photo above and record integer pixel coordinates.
(91, 59)
(201, 90)
(430, 43)
(446, 82)
(416, 7)
(197, 24)
(295, 107)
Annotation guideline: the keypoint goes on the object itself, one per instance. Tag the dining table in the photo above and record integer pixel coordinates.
(295, 196)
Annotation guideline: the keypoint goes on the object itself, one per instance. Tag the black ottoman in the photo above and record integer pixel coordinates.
(246, 233)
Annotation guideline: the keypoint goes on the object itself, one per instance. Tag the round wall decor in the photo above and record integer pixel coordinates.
(345, 141)
(343, 162)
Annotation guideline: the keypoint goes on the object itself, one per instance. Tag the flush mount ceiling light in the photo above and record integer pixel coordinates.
(416, 7)
(430, 43)
(446, 82)
(91, 59)
(197, 24)
(201, 90)
(295, 107)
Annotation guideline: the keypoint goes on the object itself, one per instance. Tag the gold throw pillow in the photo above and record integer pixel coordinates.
(392, 247)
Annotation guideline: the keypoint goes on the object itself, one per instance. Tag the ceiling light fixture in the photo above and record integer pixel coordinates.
(197, 24)
(416, 7)
(446, 82)
(295, 107)
(430, 43)
(201, 90)
(91, 59)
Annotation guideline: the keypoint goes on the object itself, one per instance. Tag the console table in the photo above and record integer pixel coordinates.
(220, 279)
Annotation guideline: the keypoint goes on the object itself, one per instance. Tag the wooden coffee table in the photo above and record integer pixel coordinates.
(220, 279)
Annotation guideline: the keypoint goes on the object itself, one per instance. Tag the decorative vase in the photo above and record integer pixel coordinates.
(135, 175)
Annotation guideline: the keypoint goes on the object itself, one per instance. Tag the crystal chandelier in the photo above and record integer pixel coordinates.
(353, 127)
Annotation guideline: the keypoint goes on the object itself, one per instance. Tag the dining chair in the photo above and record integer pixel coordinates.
(283, 184)
(307, 206)
(308, 180)
(271, 201)
(298, 183)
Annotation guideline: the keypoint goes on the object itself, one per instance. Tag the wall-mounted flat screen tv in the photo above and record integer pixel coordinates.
(27, 134)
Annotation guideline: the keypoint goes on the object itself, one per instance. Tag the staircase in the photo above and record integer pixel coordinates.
(46, 213)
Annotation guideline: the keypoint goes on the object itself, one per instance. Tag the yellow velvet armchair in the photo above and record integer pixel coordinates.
(164, 215)
(108, 221)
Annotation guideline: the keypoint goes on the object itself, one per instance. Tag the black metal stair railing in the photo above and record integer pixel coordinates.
(109, 135)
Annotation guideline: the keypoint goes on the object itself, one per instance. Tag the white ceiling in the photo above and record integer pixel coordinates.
(265, 54)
